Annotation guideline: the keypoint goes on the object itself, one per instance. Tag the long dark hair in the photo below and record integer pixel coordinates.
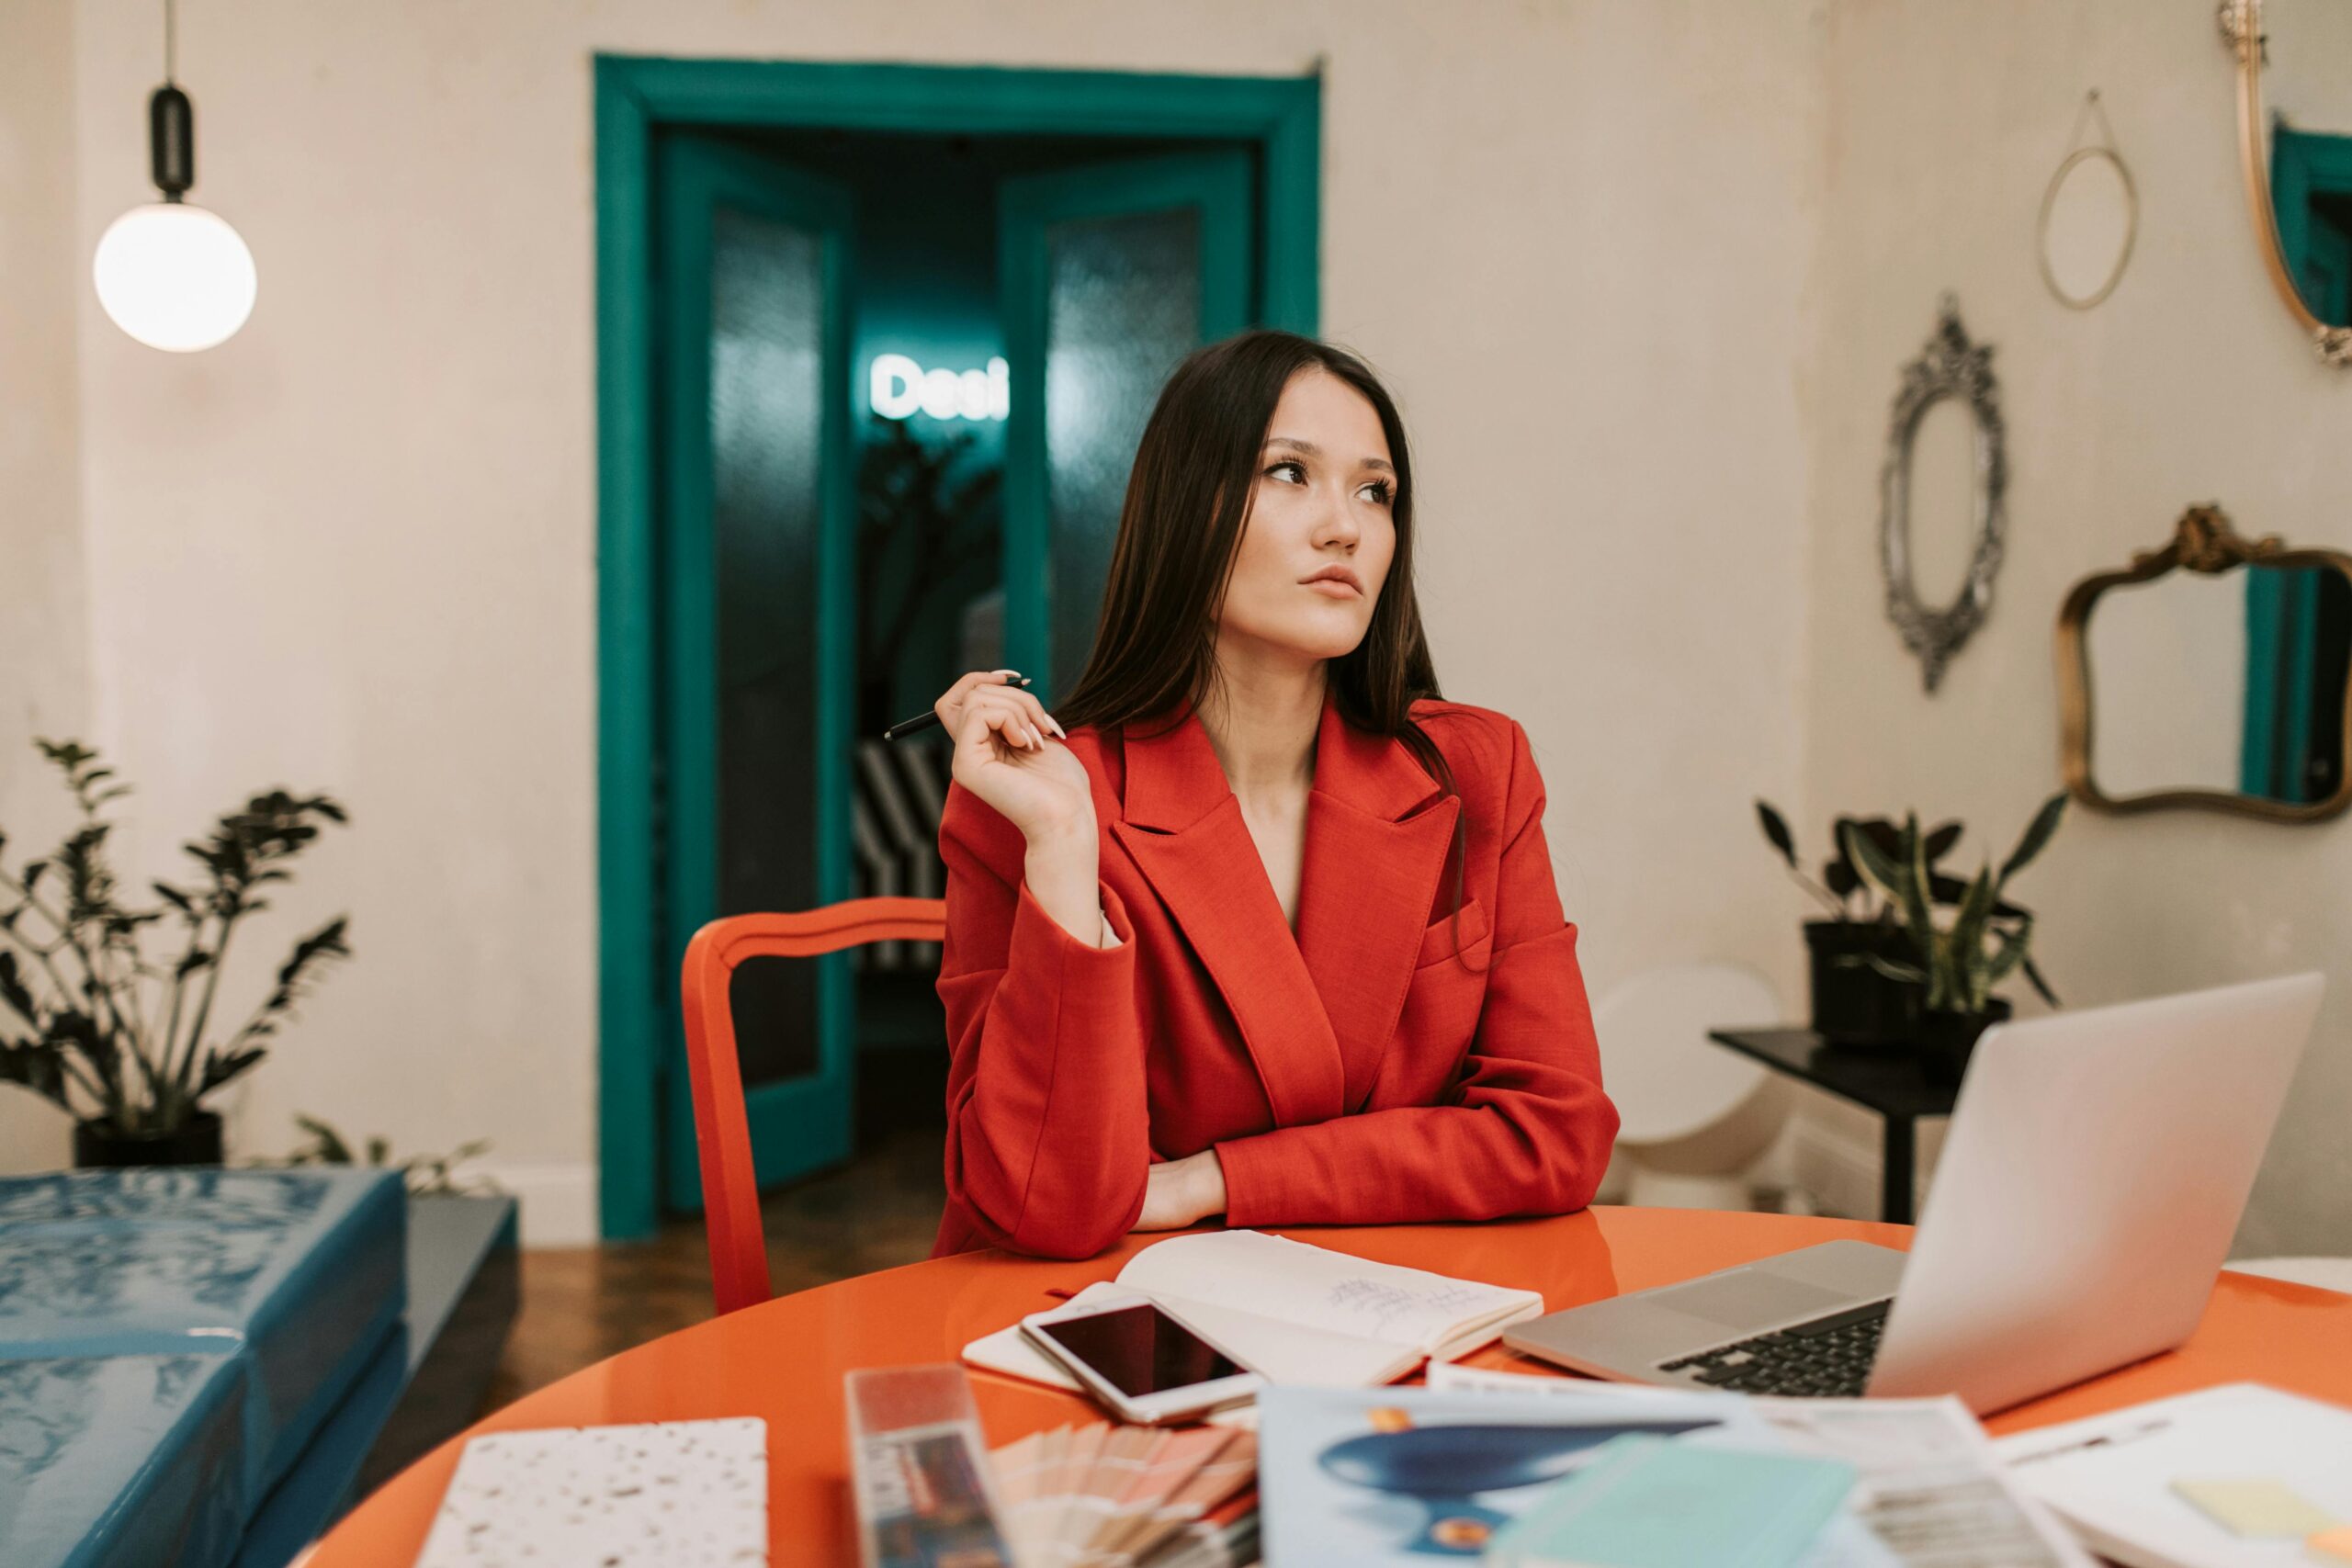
(1179, 534)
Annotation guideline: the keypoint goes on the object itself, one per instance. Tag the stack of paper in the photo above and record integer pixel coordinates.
(1116, 1496)
(2236, 1475)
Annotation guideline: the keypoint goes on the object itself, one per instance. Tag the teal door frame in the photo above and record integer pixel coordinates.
(798, 1124)
(635, 97)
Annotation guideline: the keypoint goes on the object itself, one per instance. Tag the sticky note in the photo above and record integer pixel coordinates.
(2257, 1507)
(2331, 1546)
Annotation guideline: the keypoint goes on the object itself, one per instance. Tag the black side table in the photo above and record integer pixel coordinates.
(1888, 1079)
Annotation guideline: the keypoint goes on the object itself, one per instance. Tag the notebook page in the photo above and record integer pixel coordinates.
(1329, 1292)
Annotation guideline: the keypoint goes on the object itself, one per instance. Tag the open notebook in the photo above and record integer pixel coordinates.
(1301, 1315)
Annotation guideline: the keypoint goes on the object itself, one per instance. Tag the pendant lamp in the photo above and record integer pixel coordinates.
(169, 273)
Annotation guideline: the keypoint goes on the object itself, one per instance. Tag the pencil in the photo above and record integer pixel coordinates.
(924, 720)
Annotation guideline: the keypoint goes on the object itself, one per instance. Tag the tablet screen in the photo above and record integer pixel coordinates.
(1140, 1350)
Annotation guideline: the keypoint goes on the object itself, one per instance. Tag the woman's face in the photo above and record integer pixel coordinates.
(1319, 502)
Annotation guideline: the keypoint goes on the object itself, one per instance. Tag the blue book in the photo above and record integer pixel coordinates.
(1648, 1502)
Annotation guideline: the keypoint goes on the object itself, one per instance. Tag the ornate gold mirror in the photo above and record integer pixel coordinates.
(2211, 672)
(2294, 63)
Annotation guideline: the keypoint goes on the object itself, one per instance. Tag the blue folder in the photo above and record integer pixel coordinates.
(172, 1341)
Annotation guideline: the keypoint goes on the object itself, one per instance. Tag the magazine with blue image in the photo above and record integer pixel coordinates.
(1411, 1478)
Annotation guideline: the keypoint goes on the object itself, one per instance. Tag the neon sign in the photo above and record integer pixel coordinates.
(898, 389)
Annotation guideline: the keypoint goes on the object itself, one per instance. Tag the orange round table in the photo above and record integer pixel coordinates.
(783, 1359)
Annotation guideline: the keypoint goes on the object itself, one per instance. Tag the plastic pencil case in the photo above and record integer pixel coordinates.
(918, 1469)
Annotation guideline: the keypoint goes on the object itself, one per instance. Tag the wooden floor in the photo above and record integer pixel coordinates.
(581, 1306)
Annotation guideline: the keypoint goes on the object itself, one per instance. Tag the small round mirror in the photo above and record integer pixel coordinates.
(2090, 215)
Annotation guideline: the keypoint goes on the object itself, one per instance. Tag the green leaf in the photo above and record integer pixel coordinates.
(1967, 934)
(219, 1066)
(1940, 842)
(1874, 862)
(2037, 836)
(2033, 975)
(1777, 830)
(332, 1149)
(35, 1066)
(15, 993)
(1893, 968)
(2015, 943)
(1917, 913)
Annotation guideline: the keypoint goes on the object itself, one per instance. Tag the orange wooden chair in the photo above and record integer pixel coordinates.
(731, 1197)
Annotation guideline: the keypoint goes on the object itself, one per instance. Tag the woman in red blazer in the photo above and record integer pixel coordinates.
(1269, 931)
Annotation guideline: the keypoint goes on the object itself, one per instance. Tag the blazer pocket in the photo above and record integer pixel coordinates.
(1438, 945)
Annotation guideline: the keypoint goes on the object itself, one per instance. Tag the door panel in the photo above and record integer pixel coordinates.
(1110, 274)
(758, 541)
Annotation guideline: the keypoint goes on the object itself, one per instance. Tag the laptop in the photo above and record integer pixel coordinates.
(2095, 1170)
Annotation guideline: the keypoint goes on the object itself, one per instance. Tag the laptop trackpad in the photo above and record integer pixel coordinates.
(1749, 1298)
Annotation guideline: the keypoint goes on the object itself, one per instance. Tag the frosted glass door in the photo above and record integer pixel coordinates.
(1109, 275)
(758, 555)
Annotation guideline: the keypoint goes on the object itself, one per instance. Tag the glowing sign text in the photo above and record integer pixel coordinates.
(900, 387)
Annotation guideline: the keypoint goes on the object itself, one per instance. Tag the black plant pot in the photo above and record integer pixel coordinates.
(97, 1145)
(1948, 1039)
(1853, 1004)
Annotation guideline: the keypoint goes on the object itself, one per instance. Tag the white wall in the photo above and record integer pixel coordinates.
(353, 548)
(2189, 384)
(1642, 276)
(43, 631)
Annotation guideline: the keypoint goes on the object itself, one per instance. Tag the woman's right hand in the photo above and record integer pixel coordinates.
(1008, 754)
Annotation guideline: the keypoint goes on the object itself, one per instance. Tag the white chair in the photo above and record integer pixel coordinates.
(1693, 1120)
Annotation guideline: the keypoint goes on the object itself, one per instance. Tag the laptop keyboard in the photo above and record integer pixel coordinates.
(1828, 1358)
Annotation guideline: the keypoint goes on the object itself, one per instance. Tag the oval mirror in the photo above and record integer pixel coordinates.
(1940, 495)
(2090, 217)
(1939, 502)
(2295, 146)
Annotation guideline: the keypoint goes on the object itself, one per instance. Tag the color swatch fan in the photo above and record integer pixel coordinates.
(1118, 1497)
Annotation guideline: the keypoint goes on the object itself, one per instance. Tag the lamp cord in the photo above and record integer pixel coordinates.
(171, 42)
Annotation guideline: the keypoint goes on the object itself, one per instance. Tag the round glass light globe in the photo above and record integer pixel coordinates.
(175, 276)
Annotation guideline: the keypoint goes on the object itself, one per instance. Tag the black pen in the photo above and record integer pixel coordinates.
(906, 726)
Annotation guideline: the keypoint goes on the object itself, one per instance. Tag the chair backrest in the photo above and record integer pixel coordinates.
(1662, 1074)
(730, 1195)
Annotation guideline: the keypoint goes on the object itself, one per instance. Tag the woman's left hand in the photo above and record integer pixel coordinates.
(1179, 1192)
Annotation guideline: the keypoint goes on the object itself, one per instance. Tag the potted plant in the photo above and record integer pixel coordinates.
(124, 1040)
(1958, 962)
(1853, 1003)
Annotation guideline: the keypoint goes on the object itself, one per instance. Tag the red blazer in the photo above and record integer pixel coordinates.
(1359, 1072)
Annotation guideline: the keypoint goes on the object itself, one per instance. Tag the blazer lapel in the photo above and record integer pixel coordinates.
(1371, 878)
(1183, 826)
(1316, 1011)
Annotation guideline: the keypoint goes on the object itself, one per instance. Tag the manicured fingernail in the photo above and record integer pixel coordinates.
(1058, 727)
